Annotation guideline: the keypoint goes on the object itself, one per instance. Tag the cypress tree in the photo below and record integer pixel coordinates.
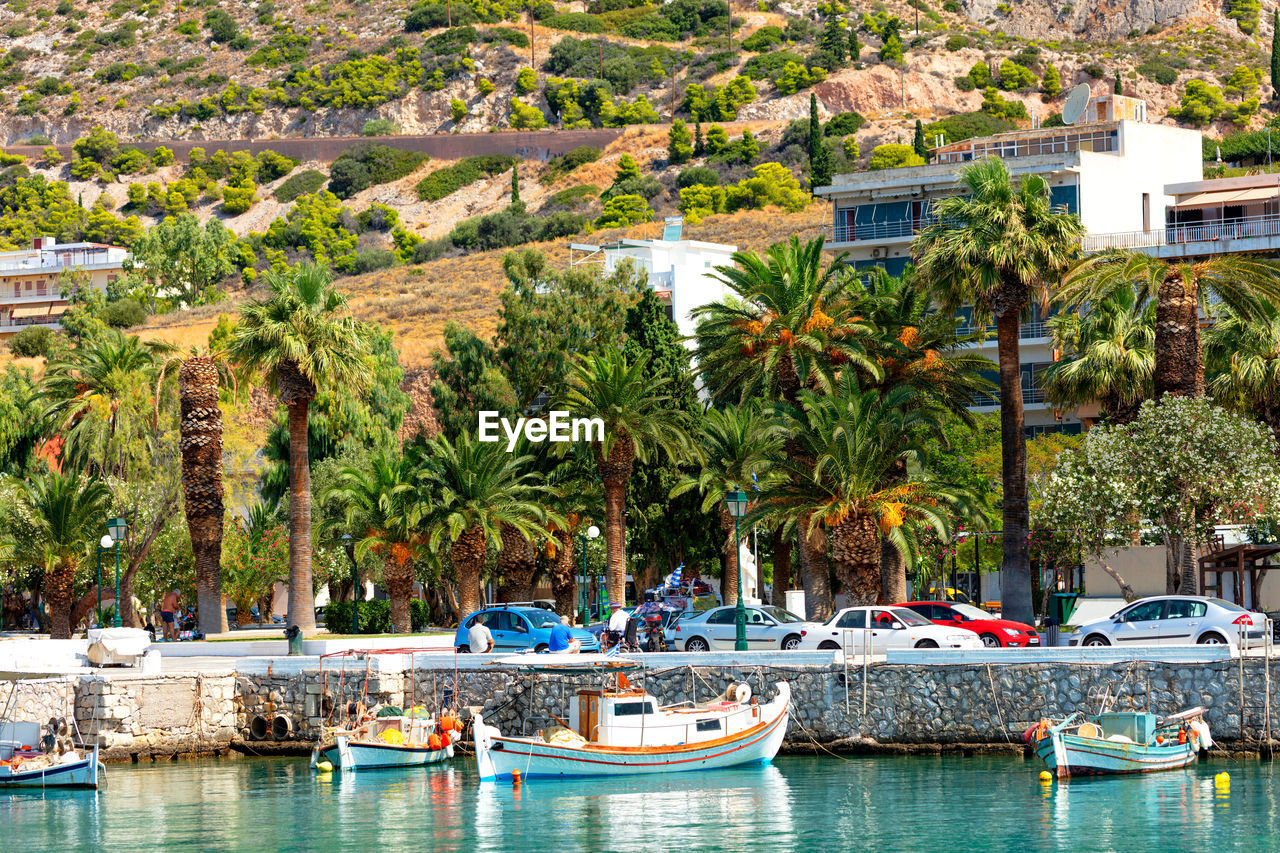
(1275, 55)
(1118, 90)
(515, 185)
(819, 156)
(855, 49)
(918, 142)
(699, 147)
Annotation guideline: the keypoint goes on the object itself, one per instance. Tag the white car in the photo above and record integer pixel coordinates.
(1174, 620)
(882, 628)
(768, 627)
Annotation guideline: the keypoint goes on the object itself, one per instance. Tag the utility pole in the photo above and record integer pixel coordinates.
(673, 89)
(533, 56)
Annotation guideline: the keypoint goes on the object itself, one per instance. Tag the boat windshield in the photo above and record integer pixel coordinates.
(909, 617)
(783, 616)
(540, 618)
(969, 611)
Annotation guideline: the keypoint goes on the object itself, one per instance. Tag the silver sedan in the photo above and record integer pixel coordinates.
(768, 627)
(1173, 620)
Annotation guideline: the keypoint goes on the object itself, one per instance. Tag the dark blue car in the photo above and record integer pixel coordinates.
(516, 629)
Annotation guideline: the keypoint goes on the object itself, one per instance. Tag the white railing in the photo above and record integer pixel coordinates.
(872, 231)
(56, 260)
(1243, 228)
(662, 280)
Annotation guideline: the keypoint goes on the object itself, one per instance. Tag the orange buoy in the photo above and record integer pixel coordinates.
(433, 741)
(1182, 736)
(1160, 739)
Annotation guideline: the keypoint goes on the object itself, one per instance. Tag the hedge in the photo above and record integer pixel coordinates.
(375, 616)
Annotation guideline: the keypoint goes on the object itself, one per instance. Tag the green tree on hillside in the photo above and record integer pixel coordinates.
(819, 154)
(679, 144)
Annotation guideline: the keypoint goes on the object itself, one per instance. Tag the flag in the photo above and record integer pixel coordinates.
(755, 483)
(614, 652)
(674, 579)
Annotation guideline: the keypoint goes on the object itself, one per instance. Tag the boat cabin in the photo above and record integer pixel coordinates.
(632, 717)
(17, 735)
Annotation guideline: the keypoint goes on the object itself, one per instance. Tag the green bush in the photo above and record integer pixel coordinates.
(573, 197)
(450, 179)
(300, 184)
(623, 210)
(1154, 69)
(271, 166)
(368, 260)
(892, 156)
(123, 313)
(698, 176)
(380, 127)
(525, 117)
(577, 22)
(222, 27)
(763, 39)
(368, 164)
(967, 125)
(375, 616)
(843, 124)
(562, 165)
(33, 341)
(957, 42)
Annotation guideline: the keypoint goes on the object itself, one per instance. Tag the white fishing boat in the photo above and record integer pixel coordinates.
(620, 729)
(1119, 742)
(32, 756)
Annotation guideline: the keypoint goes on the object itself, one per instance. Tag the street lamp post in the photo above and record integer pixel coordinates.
(104, 544)
(356, 591)
(591, 533)
(736, 503)
(117, 528)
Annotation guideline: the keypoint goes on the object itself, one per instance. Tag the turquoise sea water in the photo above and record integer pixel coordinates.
(802, 804)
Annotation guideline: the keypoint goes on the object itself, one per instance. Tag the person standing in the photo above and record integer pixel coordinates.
(168, 609)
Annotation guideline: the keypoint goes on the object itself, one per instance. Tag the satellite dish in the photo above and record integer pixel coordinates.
(1076, 103)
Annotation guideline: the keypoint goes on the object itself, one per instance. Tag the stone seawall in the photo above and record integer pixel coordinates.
(283, 704)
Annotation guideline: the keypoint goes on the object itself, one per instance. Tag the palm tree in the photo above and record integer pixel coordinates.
(791, 323)
(472, 488)
(572, 495)
(856, 439)
(1243, 357)
(302, 338)
(999, 246)
(383, 501)
(639, 418)
(1108, 356)
(199, 380)
(738, 449)
(1181, 290)
(61, 518)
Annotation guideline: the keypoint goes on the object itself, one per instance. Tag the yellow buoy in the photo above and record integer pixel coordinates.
(324, 767)
(1222, 780)
(1046, 776)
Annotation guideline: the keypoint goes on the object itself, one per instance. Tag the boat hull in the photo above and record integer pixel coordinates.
(498, 756)
(348, 755)
(75, 774)
(1070, 755)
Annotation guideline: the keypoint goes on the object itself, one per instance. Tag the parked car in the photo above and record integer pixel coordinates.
(768, 627)
(993, 632)
(883, 628)
(515, 629)
(1173, 620)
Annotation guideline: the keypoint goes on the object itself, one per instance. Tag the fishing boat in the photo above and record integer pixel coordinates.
(1119, 742)
(381, 736)
(35, 756)
(620, 729)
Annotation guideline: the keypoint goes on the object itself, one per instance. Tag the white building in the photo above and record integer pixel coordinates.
(30, 292)
(1112, 169)
(681, 272)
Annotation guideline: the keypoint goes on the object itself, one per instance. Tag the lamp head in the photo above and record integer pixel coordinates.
(106, 541)
(117, 527)
(593, 532)
(736, 503)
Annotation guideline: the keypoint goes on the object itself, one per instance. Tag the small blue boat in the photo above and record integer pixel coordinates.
(1120, 742)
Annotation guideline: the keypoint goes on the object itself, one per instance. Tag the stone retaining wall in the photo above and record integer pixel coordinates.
(133, 716)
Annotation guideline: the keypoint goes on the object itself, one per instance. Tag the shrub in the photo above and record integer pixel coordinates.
(1094, 70)
(892, 156)
(300, 184)
(770, 184)
(525, 117)
(578, 22)
(623, 210)
(966, 125)
(444, 182)
(368, 260)
(458, 109)
(368, 164)
(842, 124)
(222, 27)
(161, 156)
(527, 81)
(380, 127)
(697, 176)
(562, 165)
(123, 313)
(700, 200)
(957, 42)
(573, 197)
(32, 342)
(239, 198)
(375, 616)
(271, 166)
(996, 105)
(1014, 76)
(485, 87)
(1154, 69)
(763, 39)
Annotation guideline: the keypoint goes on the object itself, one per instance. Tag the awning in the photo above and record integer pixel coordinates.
(58, 310)
(30, 311)
(1234, 196)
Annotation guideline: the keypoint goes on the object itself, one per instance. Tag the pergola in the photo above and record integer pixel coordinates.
(1245, 562)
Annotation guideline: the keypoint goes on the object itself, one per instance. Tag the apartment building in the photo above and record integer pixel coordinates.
(1122, 176)
(31, 283)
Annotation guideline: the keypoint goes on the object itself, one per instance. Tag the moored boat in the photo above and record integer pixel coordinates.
(32, 757)
(620, 729)
(414, 739)
(1119, 742)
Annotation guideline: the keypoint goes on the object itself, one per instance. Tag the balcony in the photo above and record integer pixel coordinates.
(55, 260)
(1031, 396)
(11, 326)
(877, 232)
(39, 294)
(663, 281)
(1034, 329)
(1243, 228)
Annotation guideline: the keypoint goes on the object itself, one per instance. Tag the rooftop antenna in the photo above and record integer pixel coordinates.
(1077, 102)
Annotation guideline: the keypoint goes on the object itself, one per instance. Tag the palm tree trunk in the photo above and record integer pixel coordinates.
(397, 574)
(615, 471)
(730, 561)
(893, 574)
(781, 566)
(814, 571)
(58, 588)
(468, 560)
(562, 573)
(1015, 573)
(201, 445)
(1179, 367)
(516, 566)
(301, 595)
(855, 545)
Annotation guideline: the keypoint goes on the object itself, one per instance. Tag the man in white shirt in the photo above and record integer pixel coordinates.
(478, 637)
(618, 618)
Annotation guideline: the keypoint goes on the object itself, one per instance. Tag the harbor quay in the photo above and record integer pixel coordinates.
(281, 705)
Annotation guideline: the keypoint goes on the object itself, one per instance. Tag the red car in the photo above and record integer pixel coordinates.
(994, 632)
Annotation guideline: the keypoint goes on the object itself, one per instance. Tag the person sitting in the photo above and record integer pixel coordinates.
(479, 640)
(562, 638)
